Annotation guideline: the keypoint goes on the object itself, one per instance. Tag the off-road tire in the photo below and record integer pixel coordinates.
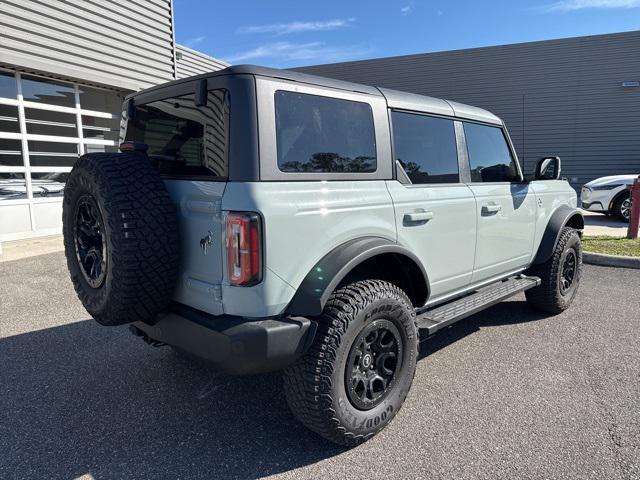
(315, 386)
(549, 296)
(141, 231)
(617, 208)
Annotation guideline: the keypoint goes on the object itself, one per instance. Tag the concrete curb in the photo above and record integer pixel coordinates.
(30, 247)
(610, 260)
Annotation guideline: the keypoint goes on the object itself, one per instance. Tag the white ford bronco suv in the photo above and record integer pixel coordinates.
(265, 220)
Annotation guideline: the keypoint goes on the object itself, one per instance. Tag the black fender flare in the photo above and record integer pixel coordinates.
(326, 275)
(559, 219)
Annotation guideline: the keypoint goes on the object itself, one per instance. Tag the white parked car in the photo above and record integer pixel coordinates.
(609, 195)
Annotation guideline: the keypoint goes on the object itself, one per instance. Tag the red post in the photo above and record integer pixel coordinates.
(634, 218)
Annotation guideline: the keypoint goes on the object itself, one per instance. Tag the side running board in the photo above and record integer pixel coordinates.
(449, 313)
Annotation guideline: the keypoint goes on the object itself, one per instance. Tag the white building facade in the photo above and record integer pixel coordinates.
(65, 67)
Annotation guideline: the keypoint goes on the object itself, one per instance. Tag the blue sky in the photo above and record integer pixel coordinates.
(294, 33)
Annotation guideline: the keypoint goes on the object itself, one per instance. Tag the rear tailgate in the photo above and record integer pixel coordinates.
(202, 242)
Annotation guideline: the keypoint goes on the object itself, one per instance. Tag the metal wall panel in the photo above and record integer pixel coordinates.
(127, 44)
(561, 97)
(190, 62)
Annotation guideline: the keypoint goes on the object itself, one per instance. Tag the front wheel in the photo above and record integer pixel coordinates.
(622, 208)
(356, 375)
(560, 275)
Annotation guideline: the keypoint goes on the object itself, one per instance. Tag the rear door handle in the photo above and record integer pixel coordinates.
(491, 208)
(417, 218)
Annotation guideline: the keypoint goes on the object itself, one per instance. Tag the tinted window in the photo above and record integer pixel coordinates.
(100, 100)
(45, 122)
(13, 186)
(8, 85)
(426, 148)
(489, 156)
(184, 139)
(9, 119)
(100, 128)
(48, 184)
(10, 153)
(320, 134)
(41, 90)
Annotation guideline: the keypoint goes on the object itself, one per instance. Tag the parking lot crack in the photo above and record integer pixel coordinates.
(615, 439)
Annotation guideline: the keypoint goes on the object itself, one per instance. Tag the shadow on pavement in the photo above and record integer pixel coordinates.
(505, 313)
(601, 220)
(83, 399)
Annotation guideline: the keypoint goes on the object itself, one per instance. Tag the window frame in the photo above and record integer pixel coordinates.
(510, 147)
(269, 170)
(463, 173)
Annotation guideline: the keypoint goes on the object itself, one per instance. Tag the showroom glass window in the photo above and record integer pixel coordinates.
(490, 158)
(12, 182)
(426, 148)
(42, 133)
(318, 134)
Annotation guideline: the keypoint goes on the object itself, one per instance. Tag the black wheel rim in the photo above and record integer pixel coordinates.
(90, 241)
(568, 271)
(373, 364)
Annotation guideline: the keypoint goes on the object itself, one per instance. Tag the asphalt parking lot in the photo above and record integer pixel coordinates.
(507, 394)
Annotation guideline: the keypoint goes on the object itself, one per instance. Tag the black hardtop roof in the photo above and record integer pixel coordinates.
(272, 73)
(394, 98)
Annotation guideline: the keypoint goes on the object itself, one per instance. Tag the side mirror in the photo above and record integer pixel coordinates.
(548, 168)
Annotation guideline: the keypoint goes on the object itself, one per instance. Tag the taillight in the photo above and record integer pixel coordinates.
(244, 248)
(133, 147)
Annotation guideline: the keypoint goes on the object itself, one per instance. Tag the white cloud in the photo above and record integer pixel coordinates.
(571, 5)
(406, 10)
(287, 52)
(298, 27)
(192, 42)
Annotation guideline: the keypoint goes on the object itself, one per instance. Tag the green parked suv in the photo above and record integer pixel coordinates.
(266, 220)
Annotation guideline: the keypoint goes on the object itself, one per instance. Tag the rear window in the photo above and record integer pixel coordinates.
(318, 134)
(183, 139)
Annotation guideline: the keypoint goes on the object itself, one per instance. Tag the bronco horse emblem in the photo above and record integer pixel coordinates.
(206, 242)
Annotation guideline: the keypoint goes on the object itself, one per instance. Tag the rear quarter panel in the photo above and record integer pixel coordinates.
(302, 222)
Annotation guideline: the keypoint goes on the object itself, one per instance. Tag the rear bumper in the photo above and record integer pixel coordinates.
(235, 345)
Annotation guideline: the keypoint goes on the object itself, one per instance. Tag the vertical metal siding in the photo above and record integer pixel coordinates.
(561, 97)
(119, 43)
(190, 62)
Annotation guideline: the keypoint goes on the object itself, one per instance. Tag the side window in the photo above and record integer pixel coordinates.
(490, 159)
(184, 139)
(318, 134)
(426, 147)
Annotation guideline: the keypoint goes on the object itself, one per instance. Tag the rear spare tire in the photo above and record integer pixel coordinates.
(120, 237)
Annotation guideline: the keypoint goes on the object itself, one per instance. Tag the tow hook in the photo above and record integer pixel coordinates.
(146, 338)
